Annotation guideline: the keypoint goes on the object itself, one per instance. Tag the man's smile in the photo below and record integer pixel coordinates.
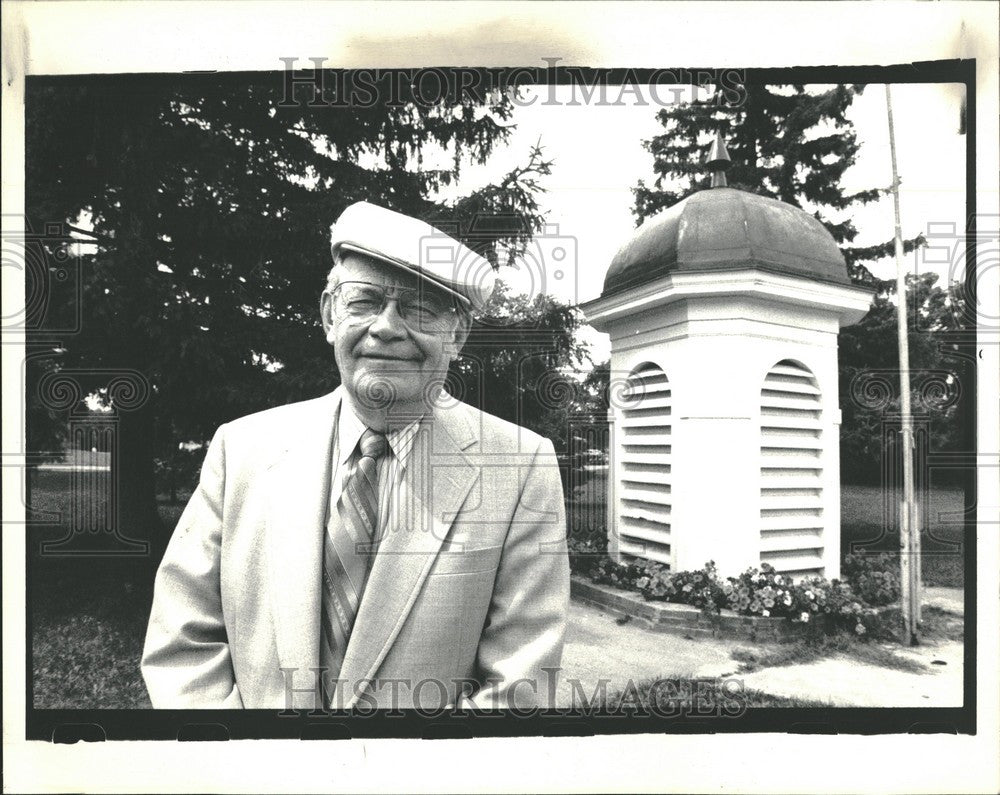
(383, 357)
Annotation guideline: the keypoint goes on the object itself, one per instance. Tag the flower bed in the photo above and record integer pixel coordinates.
(756, 593)
(682, 619)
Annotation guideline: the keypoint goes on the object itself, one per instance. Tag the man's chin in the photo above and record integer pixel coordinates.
(383, 389)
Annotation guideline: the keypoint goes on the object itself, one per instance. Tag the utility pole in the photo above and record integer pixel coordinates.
(909, 526)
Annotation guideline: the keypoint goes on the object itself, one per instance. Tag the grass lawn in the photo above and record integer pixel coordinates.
(672, 695)
(936, 625)
(805, 652)
(87, 614)
(87, 641)
(868, 522)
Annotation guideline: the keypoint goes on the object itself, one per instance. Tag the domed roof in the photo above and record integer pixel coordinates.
(723, 229)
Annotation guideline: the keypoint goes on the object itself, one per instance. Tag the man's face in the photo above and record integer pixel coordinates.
(383, 357)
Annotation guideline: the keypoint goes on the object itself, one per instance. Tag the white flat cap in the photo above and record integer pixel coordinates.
(414, 246)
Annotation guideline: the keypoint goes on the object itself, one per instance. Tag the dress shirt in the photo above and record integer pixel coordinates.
(391, 466)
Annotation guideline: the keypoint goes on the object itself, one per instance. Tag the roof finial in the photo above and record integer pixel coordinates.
(718, 161)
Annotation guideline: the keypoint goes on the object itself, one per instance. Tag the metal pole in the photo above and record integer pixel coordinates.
(909, 530)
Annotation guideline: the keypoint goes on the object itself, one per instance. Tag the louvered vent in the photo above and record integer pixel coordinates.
(644, 488)
(791, 507)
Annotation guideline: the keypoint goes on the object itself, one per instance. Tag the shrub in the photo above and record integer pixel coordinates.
(698, 588)
(764, 592)
(835, 601)
(586, 550)
(620, 575)
(875, 578)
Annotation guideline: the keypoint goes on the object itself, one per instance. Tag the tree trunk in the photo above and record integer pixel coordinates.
(135, 270)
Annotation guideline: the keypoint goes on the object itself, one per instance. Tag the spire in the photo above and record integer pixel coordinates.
(718, 161)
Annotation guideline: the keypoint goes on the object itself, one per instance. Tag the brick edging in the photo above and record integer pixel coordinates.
(684, 619)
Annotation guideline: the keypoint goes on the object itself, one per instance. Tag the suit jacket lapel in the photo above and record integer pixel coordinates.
(436, 481)
(298, 491)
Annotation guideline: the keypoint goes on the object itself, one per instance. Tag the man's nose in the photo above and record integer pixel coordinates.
(388, 323)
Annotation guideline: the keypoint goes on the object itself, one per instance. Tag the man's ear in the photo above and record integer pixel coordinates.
(326, 315)
(460, 335)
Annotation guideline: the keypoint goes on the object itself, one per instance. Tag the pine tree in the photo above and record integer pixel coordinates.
(787, 142)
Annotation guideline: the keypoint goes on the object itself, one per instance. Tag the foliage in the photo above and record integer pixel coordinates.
(620, 575)
(593, 395)
(697, 588)
(516, 361)
(657, 583)
(875, 578)
(178, 469)
(941, 375)
(764, 592)
(586, 549)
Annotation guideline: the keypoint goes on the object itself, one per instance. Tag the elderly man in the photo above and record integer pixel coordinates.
(384, 545)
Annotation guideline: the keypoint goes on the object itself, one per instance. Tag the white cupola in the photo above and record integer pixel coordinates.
(723, 313)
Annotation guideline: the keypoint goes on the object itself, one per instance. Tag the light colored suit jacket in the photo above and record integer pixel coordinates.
(473, 585)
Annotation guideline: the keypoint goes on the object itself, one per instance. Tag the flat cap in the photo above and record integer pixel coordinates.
(414, 246)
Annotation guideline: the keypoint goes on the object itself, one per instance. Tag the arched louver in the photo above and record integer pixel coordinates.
(791, 492)
(644, 482)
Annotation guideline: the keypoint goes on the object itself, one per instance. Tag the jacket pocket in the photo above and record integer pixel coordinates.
(466, 561)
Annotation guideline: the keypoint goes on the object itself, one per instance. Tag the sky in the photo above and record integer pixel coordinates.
(598, 158)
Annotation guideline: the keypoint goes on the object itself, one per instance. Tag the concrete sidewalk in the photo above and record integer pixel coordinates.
(950, 599)
(598, 647)
(843, 682)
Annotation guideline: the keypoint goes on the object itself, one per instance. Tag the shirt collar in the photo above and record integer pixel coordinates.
(350, 428)
(349, 431)
(401, 441)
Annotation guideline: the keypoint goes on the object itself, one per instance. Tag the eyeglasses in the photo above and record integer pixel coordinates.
(419, 309)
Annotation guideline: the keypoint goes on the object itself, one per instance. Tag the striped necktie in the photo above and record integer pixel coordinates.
(347, 552)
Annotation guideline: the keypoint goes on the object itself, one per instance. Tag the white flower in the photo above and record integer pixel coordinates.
(765, 612)
(788, 599)
(804, 617)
